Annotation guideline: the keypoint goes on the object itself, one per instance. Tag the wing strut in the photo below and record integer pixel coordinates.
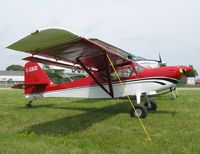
(97, 81)
(109, 77)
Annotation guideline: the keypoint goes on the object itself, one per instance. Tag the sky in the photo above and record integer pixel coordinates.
(141, 27)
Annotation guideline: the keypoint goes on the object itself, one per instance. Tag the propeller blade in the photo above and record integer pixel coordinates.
(160, 59)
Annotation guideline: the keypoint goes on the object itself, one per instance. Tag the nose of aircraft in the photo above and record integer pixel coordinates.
(176, 72)
(185, 69)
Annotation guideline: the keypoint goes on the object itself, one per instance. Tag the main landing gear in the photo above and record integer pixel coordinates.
(141, 110)
(150, 105)
(174, 92)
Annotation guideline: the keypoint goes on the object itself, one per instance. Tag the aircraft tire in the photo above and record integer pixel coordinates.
(140, 109)
(152, 107)
(29, 105)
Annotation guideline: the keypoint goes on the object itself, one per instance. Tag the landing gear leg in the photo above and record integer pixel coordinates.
(174, 93)
(139, 110)
(150, 104)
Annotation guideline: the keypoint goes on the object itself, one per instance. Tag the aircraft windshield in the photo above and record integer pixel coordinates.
(135, 58)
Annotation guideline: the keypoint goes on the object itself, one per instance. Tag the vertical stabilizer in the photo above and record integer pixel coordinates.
(36, 80)
(34, 74)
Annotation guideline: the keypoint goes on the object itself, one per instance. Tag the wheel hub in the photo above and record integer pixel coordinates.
(138, 112)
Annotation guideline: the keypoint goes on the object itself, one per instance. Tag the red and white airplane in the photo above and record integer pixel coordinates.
(63, 48)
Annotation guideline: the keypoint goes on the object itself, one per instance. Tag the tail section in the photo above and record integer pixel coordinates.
(34, 74)
(36, 80)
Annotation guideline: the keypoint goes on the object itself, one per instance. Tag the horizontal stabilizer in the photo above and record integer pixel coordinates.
(18, 86)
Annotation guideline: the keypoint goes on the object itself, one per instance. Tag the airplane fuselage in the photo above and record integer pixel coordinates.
(149, 81)
(150, 86)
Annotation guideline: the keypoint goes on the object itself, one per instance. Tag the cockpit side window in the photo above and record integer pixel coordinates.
(138, 68)
(124, 72)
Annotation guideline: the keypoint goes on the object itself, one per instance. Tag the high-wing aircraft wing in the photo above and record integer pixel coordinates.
(65, 46)
(110, 47)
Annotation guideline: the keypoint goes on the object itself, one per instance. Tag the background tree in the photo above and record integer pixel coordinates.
(15, 68)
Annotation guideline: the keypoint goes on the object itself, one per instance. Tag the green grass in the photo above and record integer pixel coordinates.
(68, 125)
(188, 86)
(5, 86)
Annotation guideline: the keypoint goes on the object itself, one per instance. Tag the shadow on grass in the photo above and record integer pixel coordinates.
(77, 123)
(79, 101)
(36, 106)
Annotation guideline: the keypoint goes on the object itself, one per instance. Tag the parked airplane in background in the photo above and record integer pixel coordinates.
(107, 67)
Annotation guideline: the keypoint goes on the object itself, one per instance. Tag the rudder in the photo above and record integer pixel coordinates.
(34, 74)
(36, 80)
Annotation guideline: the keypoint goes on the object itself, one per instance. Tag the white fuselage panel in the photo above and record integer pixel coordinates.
(132, 87)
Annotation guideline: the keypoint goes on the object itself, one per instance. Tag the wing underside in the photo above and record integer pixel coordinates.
(72, 51)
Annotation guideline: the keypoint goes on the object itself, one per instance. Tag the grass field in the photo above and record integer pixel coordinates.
(63, 125)
(5, 86)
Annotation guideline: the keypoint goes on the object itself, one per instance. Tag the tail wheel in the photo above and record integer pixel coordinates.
(151, 105)
(140, 110)
(29, 104)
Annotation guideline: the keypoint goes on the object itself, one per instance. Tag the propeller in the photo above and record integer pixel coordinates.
(188, 71)
(160, 59)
